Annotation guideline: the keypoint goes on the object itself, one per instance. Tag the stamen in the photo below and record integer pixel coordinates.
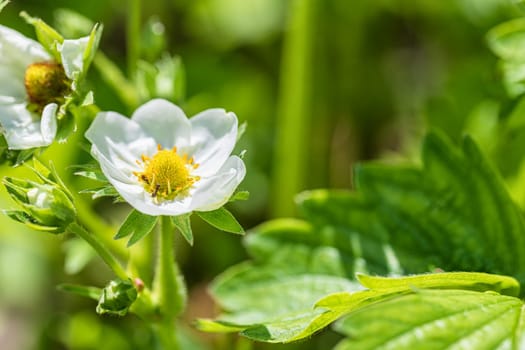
(166, 175)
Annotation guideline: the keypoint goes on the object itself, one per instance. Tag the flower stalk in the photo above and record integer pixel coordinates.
(169, 286)
(169, 283)
(99, 247)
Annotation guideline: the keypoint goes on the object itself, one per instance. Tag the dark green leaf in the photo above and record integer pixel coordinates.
(452, 213)
(136, 224)
(222, 219)
(183, 224)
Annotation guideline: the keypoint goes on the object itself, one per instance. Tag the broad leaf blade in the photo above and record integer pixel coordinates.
(222, 219)
(435, 319)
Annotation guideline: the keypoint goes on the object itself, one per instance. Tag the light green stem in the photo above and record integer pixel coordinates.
(133, 36)
(101, 250)
(292, 139)
(169, 287)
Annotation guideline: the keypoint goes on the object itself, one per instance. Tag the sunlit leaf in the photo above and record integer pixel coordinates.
(436, 319)
(222, 219)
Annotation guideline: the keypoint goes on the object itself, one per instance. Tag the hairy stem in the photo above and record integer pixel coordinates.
(169, 287)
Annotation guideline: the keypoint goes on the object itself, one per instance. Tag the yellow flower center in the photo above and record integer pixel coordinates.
(45, 82)
(166, 175)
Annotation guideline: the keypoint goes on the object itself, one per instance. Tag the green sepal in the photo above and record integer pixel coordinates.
(84, 291)
(66, 126)
(46, 35)
(92, 46)
(104, 191)
(222, 219)
(183, 224)
(137, 225)
(116, 298)
(239, 196)
(241, 130)
(26, 219)
(44, 205)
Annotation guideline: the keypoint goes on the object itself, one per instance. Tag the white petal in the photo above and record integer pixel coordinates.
(48, 124)
(22, 130)
(72, 53)
(119, 142)
(165, 122)
(141, 200)
(213, 136)
(16, 53)
(112, 127)
(212, 193)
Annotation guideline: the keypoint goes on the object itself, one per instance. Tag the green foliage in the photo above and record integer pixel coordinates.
(452, 213)
(222, 219)
(436, 319)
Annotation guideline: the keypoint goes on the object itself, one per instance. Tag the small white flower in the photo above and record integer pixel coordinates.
(163, 163)
(28, 112)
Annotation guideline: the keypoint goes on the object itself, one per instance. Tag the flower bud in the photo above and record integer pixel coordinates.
(44, 206)
(116, 298)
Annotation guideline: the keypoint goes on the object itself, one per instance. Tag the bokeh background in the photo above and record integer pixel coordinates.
(322, 84)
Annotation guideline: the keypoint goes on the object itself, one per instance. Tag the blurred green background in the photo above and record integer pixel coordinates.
(321, 83)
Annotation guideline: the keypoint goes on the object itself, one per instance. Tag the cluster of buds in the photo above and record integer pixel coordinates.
(46, 205)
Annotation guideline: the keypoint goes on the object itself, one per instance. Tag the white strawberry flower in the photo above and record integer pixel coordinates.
(35, 84)
(163, 163)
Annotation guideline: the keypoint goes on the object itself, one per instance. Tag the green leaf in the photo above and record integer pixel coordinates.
(450, 213)
(270, 309)
(137, 225)
(183, 224)
(454, 213)
(222, 219)
(85, 291)
(447, 280)
(436, 319)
